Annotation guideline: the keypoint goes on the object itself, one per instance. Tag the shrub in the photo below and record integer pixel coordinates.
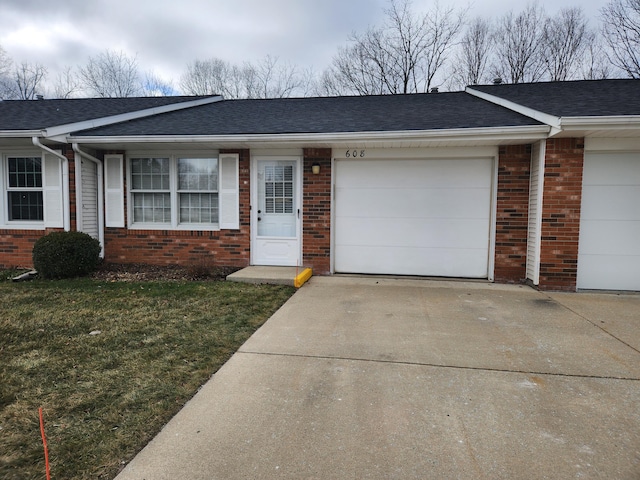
(66, 254)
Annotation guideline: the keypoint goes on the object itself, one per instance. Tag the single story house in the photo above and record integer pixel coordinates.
(536, 183)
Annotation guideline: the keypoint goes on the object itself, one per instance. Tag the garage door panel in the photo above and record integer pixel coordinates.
(413, 217)
(428, 233)
(610, 238)
(438, 262)
(459, 173)
(430, 203)
(607, 272)
(612, 169)
(609, 249)
(611, 203)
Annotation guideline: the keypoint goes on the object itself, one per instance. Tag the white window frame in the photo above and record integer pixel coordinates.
(5, 222)
(174, 192)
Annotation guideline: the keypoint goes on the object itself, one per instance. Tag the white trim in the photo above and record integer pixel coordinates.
(523, 134)
(611, 144)
(493, 220)
(553, 121)
(123, 117)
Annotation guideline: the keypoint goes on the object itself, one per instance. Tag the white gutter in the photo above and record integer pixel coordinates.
(554, 122)
(100, 170)
(65, 181)
(21, 133)
(536, 132)
(602, 123)
(124, 117)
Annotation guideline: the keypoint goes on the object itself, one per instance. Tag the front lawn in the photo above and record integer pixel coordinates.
(110, 363)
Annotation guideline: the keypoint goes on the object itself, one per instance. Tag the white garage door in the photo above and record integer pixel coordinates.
(609, 251)
(413, 217)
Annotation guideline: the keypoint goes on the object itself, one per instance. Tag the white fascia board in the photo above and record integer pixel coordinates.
(525, 133)
(60, 130)
(20, 133)
(601, 123)
(551, 120)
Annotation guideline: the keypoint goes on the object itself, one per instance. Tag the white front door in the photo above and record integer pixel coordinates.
(275, 212)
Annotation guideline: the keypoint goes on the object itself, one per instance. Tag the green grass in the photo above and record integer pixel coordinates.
(105, 395)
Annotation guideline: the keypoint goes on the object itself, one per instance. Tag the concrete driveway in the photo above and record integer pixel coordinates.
(365, 378)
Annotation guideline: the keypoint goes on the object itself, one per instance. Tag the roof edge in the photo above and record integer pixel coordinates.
(69, 128)
(525, 132)
(548, 119)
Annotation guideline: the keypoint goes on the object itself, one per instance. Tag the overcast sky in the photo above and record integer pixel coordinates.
(166, 35)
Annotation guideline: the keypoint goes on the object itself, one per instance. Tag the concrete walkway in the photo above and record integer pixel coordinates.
(364, 378)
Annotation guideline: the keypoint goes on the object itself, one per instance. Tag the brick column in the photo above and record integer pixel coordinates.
(561, 214)
(316, 211)
(512, 208)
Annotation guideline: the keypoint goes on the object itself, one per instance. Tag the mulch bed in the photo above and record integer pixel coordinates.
(136, 272)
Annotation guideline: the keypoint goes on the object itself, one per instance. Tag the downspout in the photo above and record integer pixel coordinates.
(66, 216)
(100, 170)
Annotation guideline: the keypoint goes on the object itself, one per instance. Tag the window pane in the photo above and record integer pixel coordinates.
(25, 172)
(150, 174)
(151, 208)
(198, 208)
(26, 206)
(278, 189)
(198, 174)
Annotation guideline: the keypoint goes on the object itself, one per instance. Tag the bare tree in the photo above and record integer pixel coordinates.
(111, 74)
(473, 55)
(403, 56)
(518, 46)
(563, 43)
(621, 30)
(269, 79)
(6, 83)
(28, 80)
(595, 62)
(67, 84)
(206, 77)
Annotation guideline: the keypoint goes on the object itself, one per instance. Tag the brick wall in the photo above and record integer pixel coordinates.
(561, 214)
(316, 211)
(166, 247)
(512, 209)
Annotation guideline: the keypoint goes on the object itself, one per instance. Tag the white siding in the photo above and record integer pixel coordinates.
(88, 208)
(536, 188)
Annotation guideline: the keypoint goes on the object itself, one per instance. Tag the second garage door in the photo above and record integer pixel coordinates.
(413, 217)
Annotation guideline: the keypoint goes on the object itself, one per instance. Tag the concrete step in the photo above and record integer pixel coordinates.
(292, 276)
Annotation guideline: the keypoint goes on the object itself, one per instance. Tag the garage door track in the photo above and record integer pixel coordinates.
(372, 378)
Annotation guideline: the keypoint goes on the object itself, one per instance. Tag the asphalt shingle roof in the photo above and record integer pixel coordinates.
(39, 114)
(323, 115)
(583, 98)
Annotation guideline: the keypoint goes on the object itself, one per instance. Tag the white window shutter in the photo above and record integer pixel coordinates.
(52, 191)
(229, 201)
(114, 191)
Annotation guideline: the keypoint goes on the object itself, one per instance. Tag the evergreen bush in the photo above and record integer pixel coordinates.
(66, 254)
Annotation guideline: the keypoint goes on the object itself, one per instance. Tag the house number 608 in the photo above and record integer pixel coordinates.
(354, 153)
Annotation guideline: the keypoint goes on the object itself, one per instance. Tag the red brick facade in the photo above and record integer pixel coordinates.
(561, 214)
(512, 209)
(167, 247)
(316, 211)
